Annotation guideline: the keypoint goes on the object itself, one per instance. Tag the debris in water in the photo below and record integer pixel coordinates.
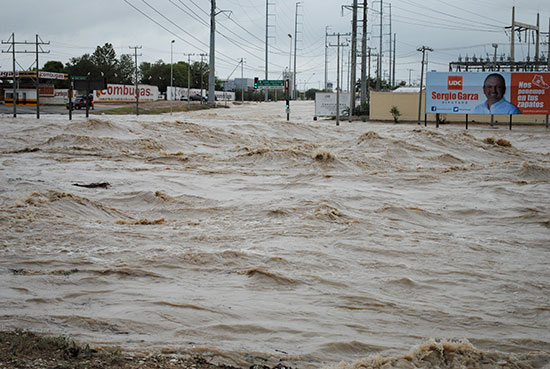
(497, 141)
(93, 185)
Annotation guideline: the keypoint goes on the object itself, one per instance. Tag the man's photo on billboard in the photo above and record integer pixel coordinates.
(494, 88)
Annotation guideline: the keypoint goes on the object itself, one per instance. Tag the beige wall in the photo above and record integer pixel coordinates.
(407, 103)
(382, 102)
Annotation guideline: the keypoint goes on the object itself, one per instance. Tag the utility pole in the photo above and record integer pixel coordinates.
(495, 56)
(171, 73)
(343, 73)
(537, 46)
(410, 70)
(391, 50)
(513, 37)
(353, 54)
(294, 85)
(523, 27)
(188, 77)
(38, 50)
(242, 80)
(368, 76)
(338, 83)
(349, 71)
(338, 44)
(423, 49)
(212, 69)
(14, 88)
(201, 73)
(379, 63)
(364, 57)
(393, 66)
(266, 45)
(136, 65)
(326, 58)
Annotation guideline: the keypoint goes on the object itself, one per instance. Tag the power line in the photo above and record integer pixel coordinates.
(416, 5)
(183, 30)
(175, 34)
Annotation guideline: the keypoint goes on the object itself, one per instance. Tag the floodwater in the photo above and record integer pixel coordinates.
(249, 239)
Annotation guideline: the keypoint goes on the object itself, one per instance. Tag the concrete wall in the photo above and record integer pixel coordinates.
(407, 103)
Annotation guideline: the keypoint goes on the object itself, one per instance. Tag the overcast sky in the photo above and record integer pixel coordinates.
(451, 28)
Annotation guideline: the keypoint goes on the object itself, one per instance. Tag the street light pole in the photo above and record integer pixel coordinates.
(171, 73)
(307, 82)
(290, 56)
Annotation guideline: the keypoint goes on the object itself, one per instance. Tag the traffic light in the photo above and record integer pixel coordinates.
(256, 82)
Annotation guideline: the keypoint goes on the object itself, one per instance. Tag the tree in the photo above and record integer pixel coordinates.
(384, 85)
(157, 74)
(105, 61)
(54, 66)
(395, 113)
(125, 70)
(81, 66)
(310, 94)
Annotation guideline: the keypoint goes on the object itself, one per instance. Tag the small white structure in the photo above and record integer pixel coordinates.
(325, 104)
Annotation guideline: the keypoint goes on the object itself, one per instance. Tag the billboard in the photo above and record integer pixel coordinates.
(180, 93)
(32, 73)
(488, 93)
(325, 104)
(126, 93)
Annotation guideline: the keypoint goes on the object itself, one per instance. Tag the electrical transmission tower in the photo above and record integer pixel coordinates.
(267, 15)
(294, 85)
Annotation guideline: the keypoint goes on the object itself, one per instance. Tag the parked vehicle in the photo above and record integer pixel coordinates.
(197, 97)
(79, 102)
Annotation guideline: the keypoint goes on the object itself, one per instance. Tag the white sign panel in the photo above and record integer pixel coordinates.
(180, 93)
(42, 74)
(325, 104)
(126, 93)
(51, 75)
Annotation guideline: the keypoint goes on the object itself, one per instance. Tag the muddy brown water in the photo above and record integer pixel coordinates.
(237, 234)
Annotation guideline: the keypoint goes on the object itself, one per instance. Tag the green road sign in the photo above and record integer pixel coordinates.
(79, 78)
(271, 82)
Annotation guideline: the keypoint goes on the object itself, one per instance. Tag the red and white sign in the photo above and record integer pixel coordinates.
(126, 93)
(41, 74)
(531, 92)
(454, 82)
